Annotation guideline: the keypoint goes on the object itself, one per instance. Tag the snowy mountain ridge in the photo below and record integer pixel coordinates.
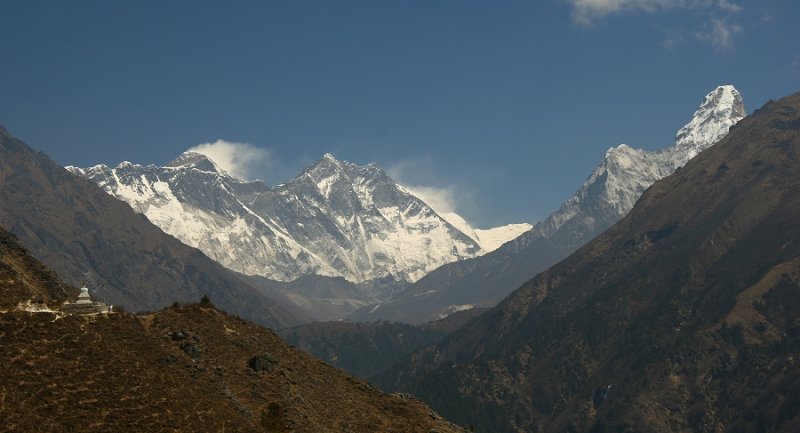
(624, 173)
(488, 239)
(607, 195)
(335, 219)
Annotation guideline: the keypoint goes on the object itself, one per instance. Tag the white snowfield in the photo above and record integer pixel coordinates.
(488, 239)
(335, 219)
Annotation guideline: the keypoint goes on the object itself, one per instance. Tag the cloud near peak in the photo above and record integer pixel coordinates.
(242, 160)
(720, 33)
(442, 200)
(421, 176)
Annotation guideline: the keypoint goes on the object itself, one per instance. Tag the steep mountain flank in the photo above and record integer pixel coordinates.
(605, 197)
(87, 236)
(24, 278)
(186, 369)
(684, 316)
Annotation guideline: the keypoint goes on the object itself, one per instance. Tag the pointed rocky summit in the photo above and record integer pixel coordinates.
(198, 161)
(721, 109)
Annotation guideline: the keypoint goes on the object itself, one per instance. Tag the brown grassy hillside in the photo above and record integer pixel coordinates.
(185, 369)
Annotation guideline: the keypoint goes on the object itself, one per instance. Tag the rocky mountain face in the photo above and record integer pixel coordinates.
(336, 219)
(681, 317)
(185, 369)
(89, 237)
(605, 197)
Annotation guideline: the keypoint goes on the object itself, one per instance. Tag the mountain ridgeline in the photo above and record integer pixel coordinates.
(605, 197)
(370, 247)
(88, 237)
(680, 314)
(336, 220)
(681, 317)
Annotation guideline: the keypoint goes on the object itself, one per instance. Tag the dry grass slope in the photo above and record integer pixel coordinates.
(188, 368)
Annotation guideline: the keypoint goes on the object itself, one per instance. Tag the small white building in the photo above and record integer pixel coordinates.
(84, 297)
(85, 305)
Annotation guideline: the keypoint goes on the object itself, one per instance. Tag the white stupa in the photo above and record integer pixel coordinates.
(84, 297)
(85, 305)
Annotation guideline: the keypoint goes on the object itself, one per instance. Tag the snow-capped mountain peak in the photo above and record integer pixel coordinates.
(720, 110)
(335, 219)
(625, 172)
(197, 161)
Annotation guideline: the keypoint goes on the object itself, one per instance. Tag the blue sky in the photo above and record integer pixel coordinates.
(497, 109)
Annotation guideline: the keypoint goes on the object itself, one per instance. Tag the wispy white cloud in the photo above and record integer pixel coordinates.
(728, 6)
(242, 160)
(719, 32)
(719, 17)
(586, 11)
(442, 200)
(421, 177)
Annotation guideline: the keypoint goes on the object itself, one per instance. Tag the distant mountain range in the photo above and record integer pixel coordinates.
(335, 219)
(89, 237)
(683, 316)
(341, 237)
(351, 231)
(605, 197)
